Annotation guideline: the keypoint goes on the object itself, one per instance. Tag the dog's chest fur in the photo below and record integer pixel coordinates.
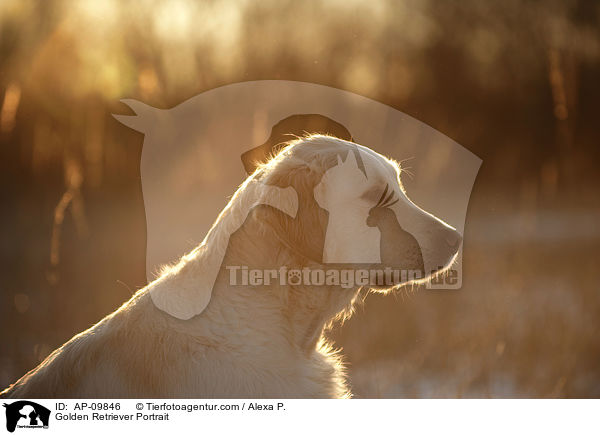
(140, 352)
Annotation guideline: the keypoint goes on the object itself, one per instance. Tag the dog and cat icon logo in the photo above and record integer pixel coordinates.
(25, 414)
(183, 191)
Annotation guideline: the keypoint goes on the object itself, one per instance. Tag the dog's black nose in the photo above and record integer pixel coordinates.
(453, 238)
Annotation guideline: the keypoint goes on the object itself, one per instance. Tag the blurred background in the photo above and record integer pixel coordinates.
(516, 82)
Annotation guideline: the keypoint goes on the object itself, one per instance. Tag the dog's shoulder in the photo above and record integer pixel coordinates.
(109, 347)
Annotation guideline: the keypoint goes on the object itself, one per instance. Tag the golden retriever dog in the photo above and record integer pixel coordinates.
(221, 323)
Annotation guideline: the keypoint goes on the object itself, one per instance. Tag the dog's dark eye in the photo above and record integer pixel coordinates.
(372, 194)
(387, 198)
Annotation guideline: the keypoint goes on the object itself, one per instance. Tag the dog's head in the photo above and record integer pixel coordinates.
(354, 212)
(326, 203)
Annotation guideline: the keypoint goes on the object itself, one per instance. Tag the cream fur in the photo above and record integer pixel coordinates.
(178, 337)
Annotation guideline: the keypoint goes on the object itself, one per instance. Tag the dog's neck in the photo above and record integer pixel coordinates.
(303, 310)
(290, 315)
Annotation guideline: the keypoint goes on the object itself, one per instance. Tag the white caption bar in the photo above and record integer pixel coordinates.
(157, 416)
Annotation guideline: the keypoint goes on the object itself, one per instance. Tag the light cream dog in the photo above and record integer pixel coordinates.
(322, 203)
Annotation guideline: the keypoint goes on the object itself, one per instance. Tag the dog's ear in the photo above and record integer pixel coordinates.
(185, 290)
(304, 235)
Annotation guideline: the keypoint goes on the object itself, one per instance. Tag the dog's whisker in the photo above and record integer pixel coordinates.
(408, 172)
